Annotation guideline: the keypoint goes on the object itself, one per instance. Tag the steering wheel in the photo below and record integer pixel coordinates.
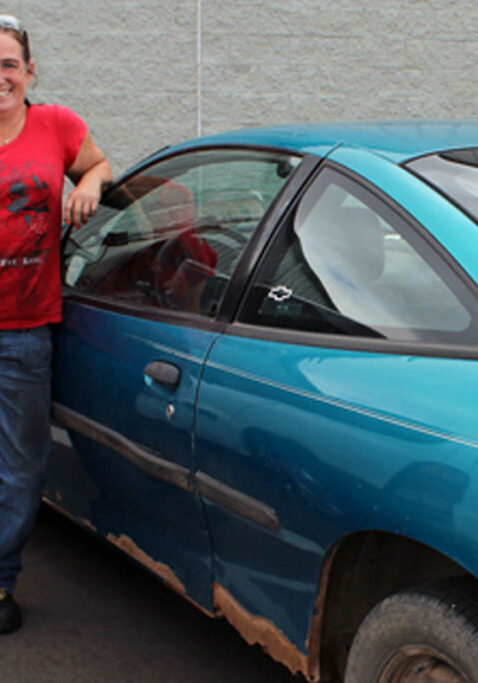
(174, 253)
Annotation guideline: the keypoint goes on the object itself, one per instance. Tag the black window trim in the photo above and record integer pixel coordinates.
(349, 343)
(332, 341)
(280, 206)
(241, 274)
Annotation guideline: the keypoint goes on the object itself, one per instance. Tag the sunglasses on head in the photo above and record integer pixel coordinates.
(10, 23)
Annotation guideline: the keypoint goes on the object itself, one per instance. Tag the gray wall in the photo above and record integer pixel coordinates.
(131, 68)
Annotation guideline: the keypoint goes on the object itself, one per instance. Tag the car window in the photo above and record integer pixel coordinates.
(170, 236)
(454, 173)
(346, 263)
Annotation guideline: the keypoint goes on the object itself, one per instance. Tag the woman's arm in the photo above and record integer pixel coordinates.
(90, 172)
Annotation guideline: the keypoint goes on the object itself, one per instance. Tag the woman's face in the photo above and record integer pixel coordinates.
(15, 74)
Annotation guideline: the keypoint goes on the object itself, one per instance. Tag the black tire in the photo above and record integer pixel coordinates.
(418, 635)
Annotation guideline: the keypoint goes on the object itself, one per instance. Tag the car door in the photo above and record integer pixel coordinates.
(321, 408)
(144, 283)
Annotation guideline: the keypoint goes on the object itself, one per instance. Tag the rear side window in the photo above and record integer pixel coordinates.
(454, 174)
(348, 264)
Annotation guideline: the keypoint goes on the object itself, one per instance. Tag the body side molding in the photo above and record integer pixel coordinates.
(157, 466)
(139, 455)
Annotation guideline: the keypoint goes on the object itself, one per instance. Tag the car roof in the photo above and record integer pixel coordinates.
(399, 141)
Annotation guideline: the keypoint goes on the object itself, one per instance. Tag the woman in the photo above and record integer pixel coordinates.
(39, 144)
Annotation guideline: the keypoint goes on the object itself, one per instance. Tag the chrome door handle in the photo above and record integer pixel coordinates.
(163, 373)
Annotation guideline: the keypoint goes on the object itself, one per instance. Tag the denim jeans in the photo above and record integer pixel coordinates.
(25, 440)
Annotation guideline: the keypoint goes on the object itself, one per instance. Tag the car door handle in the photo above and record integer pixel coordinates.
(163, 373)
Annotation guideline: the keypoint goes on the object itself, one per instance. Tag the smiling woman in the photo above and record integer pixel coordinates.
(39, 144)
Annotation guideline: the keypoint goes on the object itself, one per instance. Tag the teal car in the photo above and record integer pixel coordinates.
(266, 389)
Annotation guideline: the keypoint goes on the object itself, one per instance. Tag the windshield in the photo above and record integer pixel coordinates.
(455, 174)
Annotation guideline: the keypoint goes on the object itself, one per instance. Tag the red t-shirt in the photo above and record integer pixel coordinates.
(32, 169)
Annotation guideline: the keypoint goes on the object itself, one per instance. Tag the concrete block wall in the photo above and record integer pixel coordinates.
(149, 73)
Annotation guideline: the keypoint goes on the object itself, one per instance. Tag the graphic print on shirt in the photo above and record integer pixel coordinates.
(28, 199)
(24, 218)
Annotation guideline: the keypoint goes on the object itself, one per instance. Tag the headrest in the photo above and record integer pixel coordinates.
(352, 242)
(176, 207)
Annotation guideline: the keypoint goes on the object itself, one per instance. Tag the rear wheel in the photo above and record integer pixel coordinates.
(423, 635)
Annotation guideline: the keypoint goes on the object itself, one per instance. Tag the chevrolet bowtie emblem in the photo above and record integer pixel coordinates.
(280, 293)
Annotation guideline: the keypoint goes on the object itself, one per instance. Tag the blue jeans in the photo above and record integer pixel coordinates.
(25, 439)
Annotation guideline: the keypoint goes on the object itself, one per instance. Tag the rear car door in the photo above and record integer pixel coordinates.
(144, 283)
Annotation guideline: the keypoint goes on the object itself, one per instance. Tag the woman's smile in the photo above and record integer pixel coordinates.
(15, 75)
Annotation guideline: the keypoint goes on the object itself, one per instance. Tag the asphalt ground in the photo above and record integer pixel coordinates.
(91, 615)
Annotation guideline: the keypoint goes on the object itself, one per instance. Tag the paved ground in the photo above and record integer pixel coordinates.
(92, 616)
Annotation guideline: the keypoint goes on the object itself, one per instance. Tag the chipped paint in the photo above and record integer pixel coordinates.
(162, 570)
(317, 622)
(128, 546)
(255, 629)
(62, 511)
(54, 506)
(86, 522)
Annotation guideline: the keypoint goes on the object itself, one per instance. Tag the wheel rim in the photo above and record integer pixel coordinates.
(415, 664)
